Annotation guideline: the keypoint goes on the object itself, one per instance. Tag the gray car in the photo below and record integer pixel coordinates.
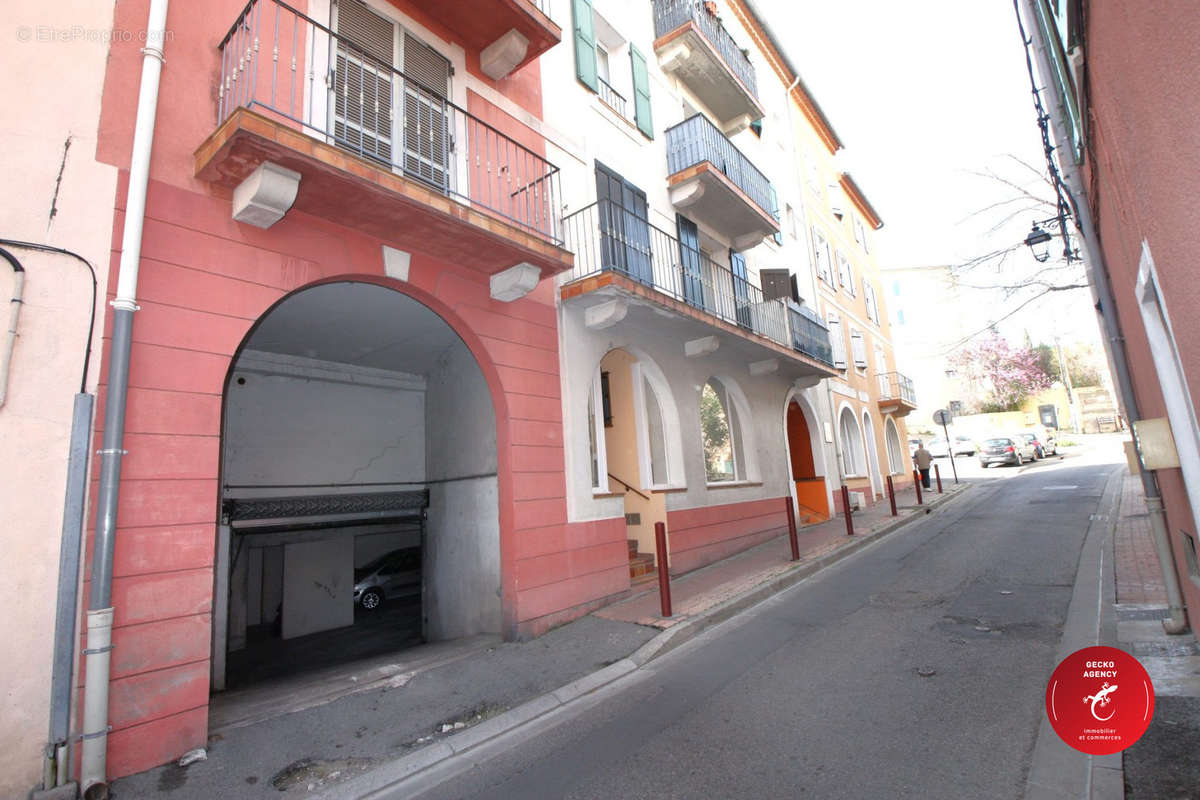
(1005, 450)
(391, 575)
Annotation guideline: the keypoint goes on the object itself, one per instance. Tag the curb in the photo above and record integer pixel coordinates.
(389, 775)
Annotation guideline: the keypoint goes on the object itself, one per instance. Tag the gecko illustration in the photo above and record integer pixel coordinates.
(1101, 698)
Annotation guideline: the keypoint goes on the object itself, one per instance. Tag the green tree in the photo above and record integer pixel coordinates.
(715, 428)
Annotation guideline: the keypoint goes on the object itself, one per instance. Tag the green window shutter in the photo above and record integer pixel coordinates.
(775, 212)
(585, 43)
(641, 92)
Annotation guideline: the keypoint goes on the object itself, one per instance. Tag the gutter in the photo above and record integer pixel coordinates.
(93, 773)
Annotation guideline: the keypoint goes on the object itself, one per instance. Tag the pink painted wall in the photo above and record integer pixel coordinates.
(700, 536)
(1144, 158)
(204, 281)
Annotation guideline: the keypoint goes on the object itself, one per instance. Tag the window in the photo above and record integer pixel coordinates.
(595, 426)
(894, 452)
(824, 264)
(624, 227)
(853, 455)
(872, 301)
(845, 274)
(367, 94)
(721, 433)
(741, 288)
(793, 231)
(606, 400)
(838, 340)
(778, 237)
(858, 348)
(593, 65)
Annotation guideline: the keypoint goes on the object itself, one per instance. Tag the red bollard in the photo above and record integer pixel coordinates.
(917, 485)
(791, 517)
(846, 510)
(937, 473)
(664, 577)
(891, 494)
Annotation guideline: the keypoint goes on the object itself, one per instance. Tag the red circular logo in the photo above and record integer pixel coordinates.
(1100, 700)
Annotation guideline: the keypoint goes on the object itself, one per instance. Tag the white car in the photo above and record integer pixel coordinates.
(963, 446)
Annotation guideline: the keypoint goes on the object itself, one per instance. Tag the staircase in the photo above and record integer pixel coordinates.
(641, 565)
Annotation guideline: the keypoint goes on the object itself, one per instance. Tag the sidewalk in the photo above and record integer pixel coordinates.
(428, 707)
(1163, 763)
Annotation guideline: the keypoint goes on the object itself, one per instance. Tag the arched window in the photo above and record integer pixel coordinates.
(599, 461)
(722, 435)
(853, 454)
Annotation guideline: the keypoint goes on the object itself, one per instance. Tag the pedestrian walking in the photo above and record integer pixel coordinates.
(922, 458)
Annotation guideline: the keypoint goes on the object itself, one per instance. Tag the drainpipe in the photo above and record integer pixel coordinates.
(100, 613)
(1106, 305)
(14, 315)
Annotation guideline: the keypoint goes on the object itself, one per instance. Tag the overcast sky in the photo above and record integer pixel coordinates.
(924, 94)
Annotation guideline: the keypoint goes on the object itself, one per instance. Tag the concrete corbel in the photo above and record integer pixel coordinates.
(515, 282)
(502, 56)
(605, 315)
(686, 194)
(674, 57)
(765, 367)
(737, 124)
(265, 195)
(748, 240)
(807, 382)
(704, 346)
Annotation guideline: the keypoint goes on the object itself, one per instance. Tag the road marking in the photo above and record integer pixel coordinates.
(1061, 488)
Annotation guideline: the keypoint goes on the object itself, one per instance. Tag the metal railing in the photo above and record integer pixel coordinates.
(611, 97)
(606, 237)
(672, 14)
(280, 63)
(696, 140)
(895, 386)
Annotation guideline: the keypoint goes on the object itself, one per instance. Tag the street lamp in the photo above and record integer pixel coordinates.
(1038, 243)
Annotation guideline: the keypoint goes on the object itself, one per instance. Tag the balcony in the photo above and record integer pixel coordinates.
(376, 150)
(711, 181)
(629, 272)
(896, 395)
(507, 34)
(693, 45)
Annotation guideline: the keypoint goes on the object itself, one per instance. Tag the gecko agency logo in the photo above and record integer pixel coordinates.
(1100, 700)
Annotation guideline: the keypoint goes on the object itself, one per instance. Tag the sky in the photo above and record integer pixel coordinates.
(925, 95)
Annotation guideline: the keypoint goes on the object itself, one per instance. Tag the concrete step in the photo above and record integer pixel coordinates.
(641, 564)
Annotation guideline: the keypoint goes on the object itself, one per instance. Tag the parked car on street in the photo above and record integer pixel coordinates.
(963, 445)
(394, 574)
(1043, 445)
(1005, 450)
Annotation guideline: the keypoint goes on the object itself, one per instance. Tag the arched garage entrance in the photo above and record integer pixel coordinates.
(359, 507)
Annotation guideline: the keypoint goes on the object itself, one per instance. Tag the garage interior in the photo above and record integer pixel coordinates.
(358, 448)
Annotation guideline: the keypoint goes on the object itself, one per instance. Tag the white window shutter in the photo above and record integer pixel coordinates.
(858, 346)
(838, 341)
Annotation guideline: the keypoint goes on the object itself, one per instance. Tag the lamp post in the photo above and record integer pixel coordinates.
(1038, 241)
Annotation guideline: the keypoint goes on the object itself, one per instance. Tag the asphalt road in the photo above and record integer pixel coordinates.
(916, 668)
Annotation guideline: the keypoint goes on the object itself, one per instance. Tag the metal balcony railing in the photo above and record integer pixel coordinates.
(696, 140)
(606, 237)
(672, 14)
(612, 98)
(895, 386)
(280, 63)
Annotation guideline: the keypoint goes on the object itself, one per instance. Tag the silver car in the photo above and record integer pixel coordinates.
(394, 574)
(1006, 450)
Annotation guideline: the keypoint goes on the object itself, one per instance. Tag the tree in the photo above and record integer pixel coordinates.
(1009, 276)
(1012, 373)
(715, 429)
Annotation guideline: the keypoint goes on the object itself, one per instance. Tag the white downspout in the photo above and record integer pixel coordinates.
(93, 773)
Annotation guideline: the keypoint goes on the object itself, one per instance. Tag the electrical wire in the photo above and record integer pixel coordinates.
(46, 248)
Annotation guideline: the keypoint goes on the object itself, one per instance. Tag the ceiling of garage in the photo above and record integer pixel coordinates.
(359, 324)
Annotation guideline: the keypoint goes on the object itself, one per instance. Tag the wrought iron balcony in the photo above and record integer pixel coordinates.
(707, 172)
(896, 390)
(693, 45)
(670, 15)
(313, 87)
(612, 98)
(608, 238)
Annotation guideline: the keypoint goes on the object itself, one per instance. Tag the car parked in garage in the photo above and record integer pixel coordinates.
(391, 575)
(1005, 450)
